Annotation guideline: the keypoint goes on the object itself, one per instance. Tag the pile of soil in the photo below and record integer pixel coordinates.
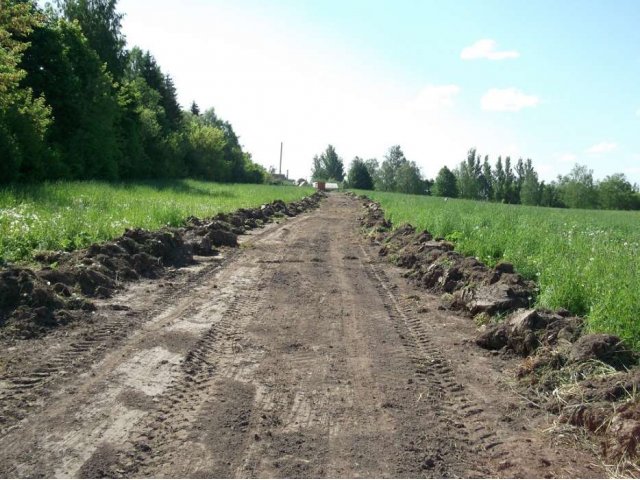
(468, 284)
(34, 301)
(590, 380)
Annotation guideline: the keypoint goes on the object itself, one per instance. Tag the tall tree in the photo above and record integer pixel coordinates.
(486, 181)
(530, 191)
(388, 171)
(510, 184)
(409, 180)
(469, 173)
(24, 120)
(144, 65)
(373, 168)
(102, 25)
(67, 71)
(499, 182)
(328, 166)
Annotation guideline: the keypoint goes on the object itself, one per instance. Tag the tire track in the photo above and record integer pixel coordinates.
(457, 409)
(24, 392)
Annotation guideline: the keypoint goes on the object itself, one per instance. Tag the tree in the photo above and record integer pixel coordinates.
(24, 118)
(195, 109)
(510, 183)
(577, 189)
(328, 166)
(445, 184)
(499, 182)
(409, 180)
(469, 176)
(373, 169)
(486, 181)
(520, 172)
(359, 176)
(616, 193)
(102, 26)
(550, 196)
(530, 192)
(388, 171)
(144, 65)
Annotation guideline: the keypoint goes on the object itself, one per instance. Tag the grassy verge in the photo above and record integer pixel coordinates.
(583, 260)
(70, 215)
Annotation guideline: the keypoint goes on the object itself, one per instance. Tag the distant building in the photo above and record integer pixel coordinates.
(325, 186)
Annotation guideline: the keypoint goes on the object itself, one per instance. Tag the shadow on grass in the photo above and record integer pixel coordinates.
(62, 194)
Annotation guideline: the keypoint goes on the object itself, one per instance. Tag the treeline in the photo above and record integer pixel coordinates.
(519, 183)
(76, 104)
(476, 179)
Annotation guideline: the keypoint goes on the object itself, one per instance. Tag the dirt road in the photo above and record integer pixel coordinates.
(299, 354)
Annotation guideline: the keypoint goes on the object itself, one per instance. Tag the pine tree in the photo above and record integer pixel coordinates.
(359, 176)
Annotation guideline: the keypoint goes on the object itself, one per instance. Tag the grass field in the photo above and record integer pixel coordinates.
(586, 261)
(70, 215)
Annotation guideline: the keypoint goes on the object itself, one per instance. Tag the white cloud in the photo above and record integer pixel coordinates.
(486, 48)
(602, 147)
(507, 100)
(433, 97)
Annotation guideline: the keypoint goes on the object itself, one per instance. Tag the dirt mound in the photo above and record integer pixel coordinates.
(31, 302)
(590, 380)
(434, 265)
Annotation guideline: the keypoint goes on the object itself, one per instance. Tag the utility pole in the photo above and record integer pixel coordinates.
(280, 171)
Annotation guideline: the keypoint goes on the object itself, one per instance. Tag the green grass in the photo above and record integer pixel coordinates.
(584, 260)
(70, 215)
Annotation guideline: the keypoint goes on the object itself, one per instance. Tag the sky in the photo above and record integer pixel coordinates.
(554, 81)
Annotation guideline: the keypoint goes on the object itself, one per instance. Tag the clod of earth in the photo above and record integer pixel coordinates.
(555, 345)
(31, 302)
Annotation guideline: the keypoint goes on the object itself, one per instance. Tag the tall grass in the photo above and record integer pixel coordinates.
(583, 260)
(70, 215)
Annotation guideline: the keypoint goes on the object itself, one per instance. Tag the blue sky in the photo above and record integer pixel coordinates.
(555, 81)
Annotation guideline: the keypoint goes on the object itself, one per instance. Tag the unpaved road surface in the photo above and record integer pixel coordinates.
(299, 354)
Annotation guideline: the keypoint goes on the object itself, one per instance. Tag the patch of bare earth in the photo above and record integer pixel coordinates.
(302, 354)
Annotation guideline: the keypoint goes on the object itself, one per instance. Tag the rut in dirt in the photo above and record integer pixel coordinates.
(302, 354)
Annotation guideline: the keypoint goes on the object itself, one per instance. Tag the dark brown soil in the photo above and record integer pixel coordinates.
(301, 354)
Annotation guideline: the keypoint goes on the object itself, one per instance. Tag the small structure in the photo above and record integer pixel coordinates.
(320, 186)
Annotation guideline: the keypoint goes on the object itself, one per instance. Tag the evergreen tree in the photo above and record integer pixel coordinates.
(359, 176)
(102, 26)
(195, 110)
